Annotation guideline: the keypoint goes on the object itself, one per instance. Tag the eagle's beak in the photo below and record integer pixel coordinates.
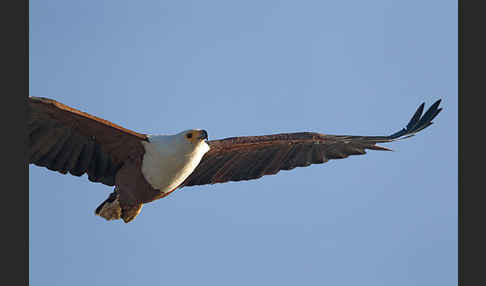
(203, 135)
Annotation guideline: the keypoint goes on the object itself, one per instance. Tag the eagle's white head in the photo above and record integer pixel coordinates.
(190, 141)
(186, 141)
(194, 136)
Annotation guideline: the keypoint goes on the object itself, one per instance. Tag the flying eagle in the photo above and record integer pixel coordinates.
(144, 168)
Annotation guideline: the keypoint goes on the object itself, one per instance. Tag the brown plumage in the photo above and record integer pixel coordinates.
(67, 140)
(246, 158)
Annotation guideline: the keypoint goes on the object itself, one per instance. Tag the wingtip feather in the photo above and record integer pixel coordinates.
(418, 121)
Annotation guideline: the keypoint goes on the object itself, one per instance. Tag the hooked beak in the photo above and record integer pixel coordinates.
(203, 135)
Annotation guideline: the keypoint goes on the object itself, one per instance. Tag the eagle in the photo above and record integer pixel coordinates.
(144, 168)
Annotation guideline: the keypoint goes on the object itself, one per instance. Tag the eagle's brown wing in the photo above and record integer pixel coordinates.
(64, 139)
(246, 158)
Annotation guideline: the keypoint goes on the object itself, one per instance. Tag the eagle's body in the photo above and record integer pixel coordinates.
(144, 168)
(166, 162)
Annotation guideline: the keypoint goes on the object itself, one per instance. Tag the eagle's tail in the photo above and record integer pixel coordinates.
(111, 209)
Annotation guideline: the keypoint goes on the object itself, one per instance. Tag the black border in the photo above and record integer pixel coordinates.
(15, 176)
(472, 194)
(459, 143)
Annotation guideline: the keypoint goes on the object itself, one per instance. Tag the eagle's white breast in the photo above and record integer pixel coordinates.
(170, 159)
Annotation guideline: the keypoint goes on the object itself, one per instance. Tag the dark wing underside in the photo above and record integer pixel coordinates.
(64, 139)
(246, 158)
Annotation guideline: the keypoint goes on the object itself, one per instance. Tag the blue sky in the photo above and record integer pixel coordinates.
(251, 68)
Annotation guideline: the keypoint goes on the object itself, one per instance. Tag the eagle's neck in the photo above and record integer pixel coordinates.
(169, 160)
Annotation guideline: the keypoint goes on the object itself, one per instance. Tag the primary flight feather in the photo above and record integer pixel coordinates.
(144, 168)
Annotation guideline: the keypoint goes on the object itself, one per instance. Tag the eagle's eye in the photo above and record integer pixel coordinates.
(189, 135)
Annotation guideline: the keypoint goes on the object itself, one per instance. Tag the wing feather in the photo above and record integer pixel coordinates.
(251, 157)
(64, 139)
